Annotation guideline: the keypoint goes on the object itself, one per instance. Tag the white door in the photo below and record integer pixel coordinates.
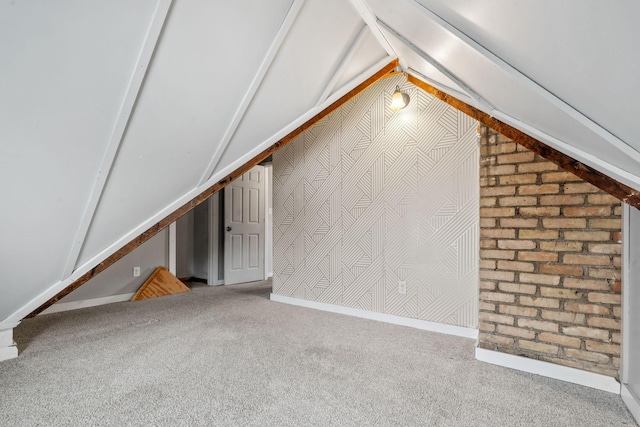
(631, 311)
(244, 228)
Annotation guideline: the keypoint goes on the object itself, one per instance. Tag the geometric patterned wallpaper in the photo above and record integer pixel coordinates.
(368, 197)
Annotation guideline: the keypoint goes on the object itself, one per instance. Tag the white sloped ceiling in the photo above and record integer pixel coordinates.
(564, 72)
(113, 114)
(63, 74)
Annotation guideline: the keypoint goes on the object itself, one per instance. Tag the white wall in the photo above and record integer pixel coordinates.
(631, 307)
(368, 198)
(118, 279)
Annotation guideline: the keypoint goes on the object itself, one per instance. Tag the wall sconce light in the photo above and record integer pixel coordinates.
(399, 100)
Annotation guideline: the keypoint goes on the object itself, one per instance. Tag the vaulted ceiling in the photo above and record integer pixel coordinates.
(113, 114)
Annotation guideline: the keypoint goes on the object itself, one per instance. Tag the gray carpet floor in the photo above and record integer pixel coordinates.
(228, 356)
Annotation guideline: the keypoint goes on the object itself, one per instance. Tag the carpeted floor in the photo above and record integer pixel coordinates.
(229, 356)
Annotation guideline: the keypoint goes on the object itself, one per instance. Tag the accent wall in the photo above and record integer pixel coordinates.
(369, 198)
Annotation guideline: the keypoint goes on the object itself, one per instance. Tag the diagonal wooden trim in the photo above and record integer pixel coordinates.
(587, 173)
(162, 224)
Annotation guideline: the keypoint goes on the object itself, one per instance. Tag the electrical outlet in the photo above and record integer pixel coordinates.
(136, 271)
(402, 287)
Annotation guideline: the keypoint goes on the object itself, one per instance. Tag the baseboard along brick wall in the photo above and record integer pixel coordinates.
(549, 261)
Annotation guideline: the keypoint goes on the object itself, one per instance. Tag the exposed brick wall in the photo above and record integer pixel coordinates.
(549, 260)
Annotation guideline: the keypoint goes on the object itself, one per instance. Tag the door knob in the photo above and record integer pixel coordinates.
(228, 228)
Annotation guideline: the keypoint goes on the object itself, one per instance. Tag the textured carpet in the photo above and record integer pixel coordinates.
(229, 356)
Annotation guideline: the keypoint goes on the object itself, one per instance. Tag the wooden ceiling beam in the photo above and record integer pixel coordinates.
(618, 190)
(175, 215)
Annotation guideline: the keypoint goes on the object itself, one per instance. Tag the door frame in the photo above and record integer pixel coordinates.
(632, 401)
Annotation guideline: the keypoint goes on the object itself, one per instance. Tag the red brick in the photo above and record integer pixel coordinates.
(538, 234)
(559, 177)
(487, 285)
(496, 318)
(488, 264)
(538, 256)
(605, 298)
(560, 293)
(591, 285)
(538, 347)
(586, 355)
(516, 266)
(487, 181)
(497, 212)
(564, 223)
(587, 235)
(487, 327)
(586, 308)
(502, 148)
(488, 201)
(617, 287)
(518, 311)
(498, 191)
(602, 199)
(561, 200)
(560, 339)
(527, 156)
(586, 259)
(496, 296)
(540, 302)
(516, 332)
(488, 244)
(561, 246)
(583, 211)
(605, 248)
(496, 339)
(540, 211)
(517, 288)
(516, 244)
(604, 322)
(500, 233)
(541, 279)
(537, 167)
(614, 224)
(487, 306)
(506, 276)
(538, 325)
(488, 222)
(497, 254)
(538, 189)
(518, 222)
(561, 269)
(563, 316)
(601, 347)
(501, 170)
(604, 273)
(518, 201)
(583, 331)
(580, 187)
(518, 179)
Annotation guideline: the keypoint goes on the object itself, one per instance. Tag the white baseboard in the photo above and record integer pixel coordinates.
(74, 305)
(550, 370)
(632, 401)
(381, 317)
(7, 353)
